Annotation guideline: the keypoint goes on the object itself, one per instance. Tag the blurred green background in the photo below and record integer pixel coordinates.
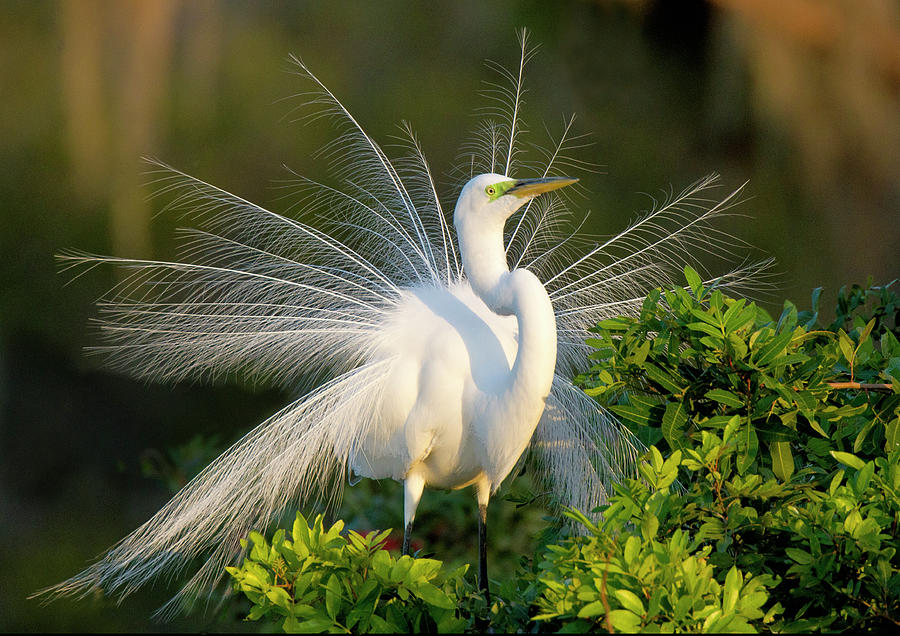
(800, 97)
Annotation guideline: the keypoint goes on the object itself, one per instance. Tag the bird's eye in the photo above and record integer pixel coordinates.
(491, 191)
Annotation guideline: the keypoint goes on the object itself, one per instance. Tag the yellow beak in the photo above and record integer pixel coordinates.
(533, 187)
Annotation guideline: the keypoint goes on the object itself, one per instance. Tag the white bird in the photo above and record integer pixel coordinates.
(470, 365)
(424, 369)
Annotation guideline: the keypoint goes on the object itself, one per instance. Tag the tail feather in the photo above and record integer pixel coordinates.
(299, 454)
(580, 451)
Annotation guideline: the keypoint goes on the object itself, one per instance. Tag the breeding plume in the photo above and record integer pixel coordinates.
(433, 352)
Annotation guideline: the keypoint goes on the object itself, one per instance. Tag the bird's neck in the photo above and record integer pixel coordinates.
(533, 370)
(484, 260)
(519, 293)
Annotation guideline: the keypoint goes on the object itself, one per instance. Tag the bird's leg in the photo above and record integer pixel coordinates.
(482, 552)
(407, 530)
(483, 492)
(413, 486)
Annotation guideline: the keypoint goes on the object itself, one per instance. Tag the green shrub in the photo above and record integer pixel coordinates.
(715, 382)
(327, 581)
(638, 570)
(768, 499)
(689, 362)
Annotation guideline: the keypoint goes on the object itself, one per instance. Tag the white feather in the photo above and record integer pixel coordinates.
(369, 301)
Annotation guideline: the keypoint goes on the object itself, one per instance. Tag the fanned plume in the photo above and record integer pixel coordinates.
(295, 454)
(282, 302)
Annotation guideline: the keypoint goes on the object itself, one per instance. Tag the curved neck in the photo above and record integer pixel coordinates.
(519, 293)
(484, 259)
(532, 373)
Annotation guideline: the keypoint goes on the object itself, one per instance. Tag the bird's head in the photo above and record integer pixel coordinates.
(490, 199)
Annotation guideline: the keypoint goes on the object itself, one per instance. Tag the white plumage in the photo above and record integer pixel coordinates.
(430, 360)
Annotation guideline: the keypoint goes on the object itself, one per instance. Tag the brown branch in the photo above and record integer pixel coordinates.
(862, 386)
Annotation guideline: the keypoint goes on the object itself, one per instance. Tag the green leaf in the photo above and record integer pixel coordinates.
(749, 447)
(846, 345)
(732, 591)
(630, 601)
(279, 597)
(656, 458)
(594, 608)
(725, 397)
(814, 298)
(662, 378)
(382, 563)
(705, 328)
(848, 459)
(632, 549)
(738, 346)
(732, 317)
(890, 346)
(715, 343)
(300, 531)
(361, 613)
(682, 607)
(260, 549)
(729, 425)
(863, 477)
(649, 526)
(836, 482)
(378, 625)
(333, 596)
(717, 301)
(773, 348)
(615, 324)
(814, 424)
(633, 414)
(707, 317)
(401, 568)
(892, 434)
(258, 611)
(673, 422)
(424, 569)
(788, 318)
(782, 459)
(800, 556)
(433, 596)
(625, 621)
(861, 436)
(866, 331)
(639, 353)
(694, 281)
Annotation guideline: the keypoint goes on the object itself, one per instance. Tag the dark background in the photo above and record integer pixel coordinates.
(800, 97)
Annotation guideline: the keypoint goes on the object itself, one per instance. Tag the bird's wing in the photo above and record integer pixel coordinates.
(588, 284)
(252, 292)
(390, 209)
(276, 301)
(264, 295)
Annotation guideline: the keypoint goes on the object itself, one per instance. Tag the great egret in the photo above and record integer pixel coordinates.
(431, 370)
(470, 365)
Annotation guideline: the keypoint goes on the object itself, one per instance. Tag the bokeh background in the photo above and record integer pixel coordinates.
(799, 97)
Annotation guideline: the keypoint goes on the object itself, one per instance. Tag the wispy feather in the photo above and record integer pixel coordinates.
(282, 302)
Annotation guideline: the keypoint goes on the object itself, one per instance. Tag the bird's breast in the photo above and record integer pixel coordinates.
(449, 358)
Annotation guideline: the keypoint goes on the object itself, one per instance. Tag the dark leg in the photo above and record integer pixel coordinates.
(412, 493)
(407, 532)
(482, 552)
